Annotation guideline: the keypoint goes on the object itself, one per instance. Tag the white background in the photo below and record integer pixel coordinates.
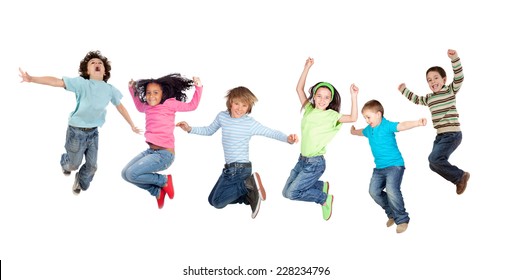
(115, 230)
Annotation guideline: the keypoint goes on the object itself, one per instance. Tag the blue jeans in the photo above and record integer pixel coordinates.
(303, 183)
(391, 199)
(80, 143)
(141, 170)
(444, 145)
(230, 187)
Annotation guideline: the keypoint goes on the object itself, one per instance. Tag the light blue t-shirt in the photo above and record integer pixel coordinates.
(236, 133)
(92, 98)
(383, 144)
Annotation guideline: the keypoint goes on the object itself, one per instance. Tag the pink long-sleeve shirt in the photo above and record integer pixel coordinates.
(160, 119)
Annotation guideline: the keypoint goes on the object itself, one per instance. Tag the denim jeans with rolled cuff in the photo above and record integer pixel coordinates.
(230, 188)
(303, 184)
(142, 170)
(444, 145)
(80, 143)
(385, 191)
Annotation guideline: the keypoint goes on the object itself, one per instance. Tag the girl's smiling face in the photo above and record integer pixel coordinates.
(153, 94)
(322, 98)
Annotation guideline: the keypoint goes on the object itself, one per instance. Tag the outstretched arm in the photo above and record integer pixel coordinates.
(50, 81)
(458, 75)
(411, 124)
(354, 90)
(354, 131)
(416, 99)
(302, 81)
(126, 116)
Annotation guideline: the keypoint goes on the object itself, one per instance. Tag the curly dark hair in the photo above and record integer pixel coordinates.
(173, 86)
(335, 102)
(82, 69)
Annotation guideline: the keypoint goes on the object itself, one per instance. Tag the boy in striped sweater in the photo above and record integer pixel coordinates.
(445, 118)
(237, 183)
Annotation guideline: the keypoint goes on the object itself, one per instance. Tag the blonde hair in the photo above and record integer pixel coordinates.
(243, 94)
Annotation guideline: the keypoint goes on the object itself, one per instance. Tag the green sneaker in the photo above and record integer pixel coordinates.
(327, 208)
(326, 187)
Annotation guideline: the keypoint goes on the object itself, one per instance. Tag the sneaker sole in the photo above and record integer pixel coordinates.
(326, 190)
(168, 189)
(255, 213)
(261, 189)
(330, 213)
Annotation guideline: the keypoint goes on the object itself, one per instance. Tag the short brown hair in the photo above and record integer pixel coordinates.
(373, 105)
(243, 94)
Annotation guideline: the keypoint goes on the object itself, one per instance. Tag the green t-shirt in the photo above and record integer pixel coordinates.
(318, 127)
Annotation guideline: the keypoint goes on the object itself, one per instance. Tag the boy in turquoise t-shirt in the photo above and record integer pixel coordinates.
(93, 94)
(389, 163)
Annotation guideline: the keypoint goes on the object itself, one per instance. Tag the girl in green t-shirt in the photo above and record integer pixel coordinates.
(320, 123)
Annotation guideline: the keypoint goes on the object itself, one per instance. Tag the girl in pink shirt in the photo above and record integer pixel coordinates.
(159, 99)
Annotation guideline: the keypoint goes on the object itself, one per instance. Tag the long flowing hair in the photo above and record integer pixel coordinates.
(173, 86)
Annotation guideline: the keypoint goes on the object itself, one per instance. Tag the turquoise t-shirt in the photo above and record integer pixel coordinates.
(383, 144)
(92, 98)
(318, 128)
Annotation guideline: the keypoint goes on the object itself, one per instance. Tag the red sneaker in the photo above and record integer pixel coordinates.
(160, 199)
(169, 188)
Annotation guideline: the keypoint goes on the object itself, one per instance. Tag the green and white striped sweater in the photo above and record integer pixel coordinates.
(442, 104)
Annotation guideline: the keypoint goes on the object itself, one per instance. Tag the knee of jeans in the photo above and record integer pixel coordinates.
(72, 167)
(217, 205)
(290, 194)
(123, 175)
(374, 193)
(434, 160)
(128, 175)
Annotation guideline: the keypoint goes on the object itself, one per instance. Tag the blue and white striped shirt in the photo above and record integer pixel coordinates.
(236, 133)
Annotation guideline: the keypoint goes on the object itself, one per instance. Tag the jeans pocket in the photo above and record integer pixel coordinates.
(72, 142)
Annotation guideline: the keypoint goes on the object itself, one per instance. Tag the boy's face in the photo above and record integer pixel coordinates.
(322, 98)
(153, 94)
(435, 82)
(96, 69)
(372, 118)
(238, 108)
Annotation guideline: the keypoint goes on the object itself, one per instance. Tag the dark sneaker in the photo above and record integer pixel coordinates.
(461, 185)
(76, 185)
(160, 198)
(65, 172)
(253, 195)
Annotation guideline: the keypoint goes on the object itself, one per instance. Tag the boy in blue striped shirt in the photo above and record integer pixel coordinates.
(237, 183)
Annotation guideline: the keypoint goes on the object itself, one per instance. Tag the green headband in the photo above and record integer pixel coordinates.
(327, 85)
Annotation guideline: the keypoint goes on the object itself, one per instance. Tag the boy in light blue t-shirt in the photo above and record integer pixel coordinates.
(93, 94)
(389, 164)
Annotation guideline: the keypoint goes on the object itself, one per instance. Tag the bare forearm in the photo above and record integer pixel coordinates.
(301, 84)
(409, 124)
(47, 80)
(353, 112)
(122, 110)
